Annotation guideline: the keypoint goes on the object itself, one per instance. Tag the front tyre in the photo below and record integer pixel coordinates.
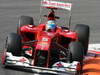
(83, 32)
(14, 44)
(76, 51)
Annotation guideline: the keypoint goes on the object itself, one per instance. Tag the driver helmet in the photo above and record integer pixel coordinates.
(50, 25)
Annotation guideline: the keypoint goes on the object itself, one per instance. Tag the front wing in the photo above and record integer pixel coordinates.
(24, 64)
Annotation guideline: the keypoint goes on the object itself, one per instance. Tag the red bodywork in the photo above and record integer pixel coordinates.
(45, 40)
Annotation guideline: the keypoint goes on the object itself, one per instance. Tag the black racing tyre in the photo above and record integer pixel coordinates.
(25, 20)
(76, 51)
(13, 44)
(83, 32)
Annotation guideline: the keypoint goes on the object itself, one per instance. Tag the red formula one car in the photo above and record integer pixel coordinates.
(47, 46)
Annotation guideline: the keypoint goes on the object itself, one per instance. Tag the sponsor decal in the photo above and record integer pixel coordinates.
(22, 60)
(44, 39)
(44, 45)
(16, 59)
(56, 4)
(62, 66)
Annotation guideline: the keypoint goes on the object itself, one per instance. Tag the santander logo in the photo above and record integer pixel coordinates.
(57, 4)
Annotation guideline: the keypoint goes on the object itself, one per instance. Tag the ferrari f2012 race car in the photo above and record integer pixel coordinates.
(47, 47)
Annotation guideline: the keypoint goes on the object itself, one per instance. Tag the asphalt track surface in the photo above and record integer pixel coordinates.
(83, 12)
